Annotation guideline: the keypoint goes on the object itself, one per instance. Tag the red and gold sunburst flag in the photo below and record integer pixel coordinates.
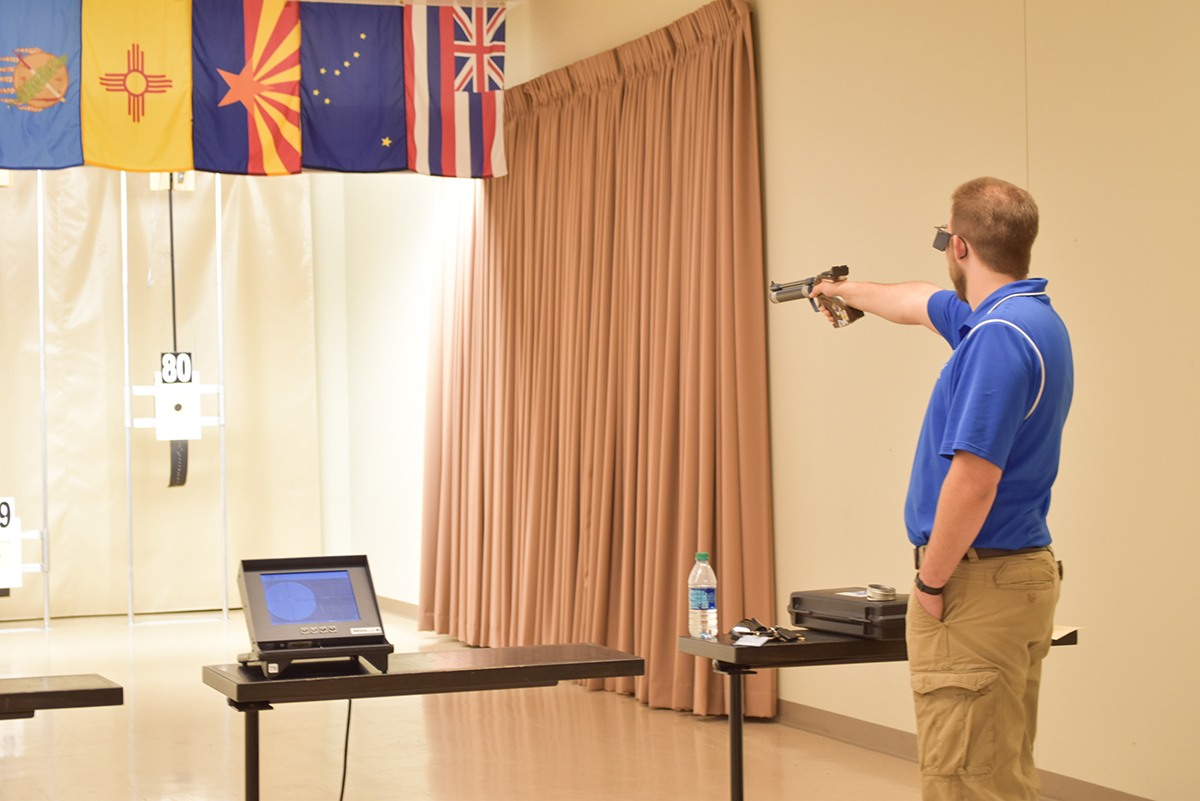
(136, 104)
(246, 86)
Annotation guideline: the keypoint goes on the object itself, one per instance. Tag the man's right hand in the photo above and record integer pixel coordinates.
(832, 289)
(906, 304)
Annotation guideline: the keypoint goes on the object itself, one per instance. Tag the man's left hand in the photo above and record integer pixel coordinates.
(933, 604)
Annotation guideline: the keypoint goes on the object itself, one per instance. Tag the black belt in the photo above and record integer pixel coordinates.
(983, 553)
(992, 553)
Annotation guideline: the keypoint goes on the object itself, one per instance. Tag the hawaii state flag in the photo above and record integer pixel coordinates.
(246, 86)
(454, 70)
(352, 87)
(39, 85)
(136, 103)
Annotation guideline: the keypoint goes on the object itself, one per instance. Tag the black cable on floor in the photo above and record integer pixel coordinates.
(346, 748)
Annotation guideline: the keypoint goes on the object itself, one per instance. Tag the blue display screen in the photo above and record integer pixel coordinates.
(315, 597)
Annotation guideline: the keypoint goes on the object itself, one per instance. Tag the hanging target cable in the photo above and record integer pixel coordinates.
(171, 228)
(179, 448)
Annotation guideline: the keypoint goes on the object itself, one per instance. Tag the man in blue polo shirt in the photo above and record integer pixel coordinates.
(981, 612)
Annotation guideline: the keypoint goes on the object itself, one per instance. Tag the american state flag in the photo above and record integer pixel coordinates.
(454, 90)
(246, 86)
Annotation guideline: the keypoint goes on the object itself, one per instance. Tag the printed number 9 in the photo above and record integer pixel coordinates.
(5, 514)
(176, 368)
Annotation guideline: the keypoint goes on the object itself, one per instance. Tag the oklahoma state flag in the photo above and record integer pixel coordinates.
(39, 85)
(137, 84)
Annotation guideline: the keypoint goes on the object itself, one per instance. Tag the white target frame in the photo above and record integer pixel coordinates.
(159, 387)
(15, 537)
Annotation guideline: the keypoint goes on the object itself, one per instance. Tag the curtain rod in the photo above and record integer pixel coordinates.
(402, 3)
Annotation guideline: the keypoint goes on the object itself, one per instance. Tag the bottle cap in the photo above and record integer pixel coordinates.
(702, 556)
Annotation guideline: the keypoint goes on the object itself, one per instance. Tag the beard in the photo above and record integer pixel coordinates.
(959, 280)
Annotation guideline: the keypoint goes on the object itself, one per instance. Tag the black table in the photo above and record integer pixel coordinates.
(21, 697)
(461, 670)
(817, 648)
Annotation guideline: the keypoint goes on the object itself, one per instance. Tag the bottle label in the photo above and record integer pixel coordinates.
(702, 597)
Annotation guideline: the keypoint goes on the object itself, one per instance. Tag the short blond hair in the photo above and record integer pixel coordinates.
(999, 220)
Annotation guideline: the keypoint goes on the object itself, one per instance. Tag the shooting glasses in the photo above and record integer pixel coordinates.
(942, 238)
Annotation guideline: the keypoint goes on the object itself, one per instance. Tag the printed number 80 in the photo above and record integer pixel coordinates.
(177, 368)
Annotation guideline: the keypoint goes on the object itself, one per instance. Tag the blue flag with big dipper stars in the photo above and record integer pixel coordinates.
(352, 87)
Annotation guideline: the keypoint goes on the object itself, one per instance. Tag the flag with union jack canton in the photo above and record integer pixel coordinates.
(454, 90)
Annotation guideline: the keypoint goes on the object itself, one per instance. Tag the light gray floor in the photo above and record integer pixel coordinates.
(175, 738)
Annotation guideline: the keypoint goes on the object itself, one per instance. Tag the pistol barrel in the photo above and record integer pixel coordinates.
(782, 293)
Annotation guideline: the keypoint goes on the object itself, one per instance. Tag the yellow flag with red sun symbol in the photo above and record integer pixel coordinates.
(136, 104)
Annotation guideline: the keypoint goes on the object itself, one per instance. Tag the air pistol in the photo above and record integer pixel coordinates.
(842, 314)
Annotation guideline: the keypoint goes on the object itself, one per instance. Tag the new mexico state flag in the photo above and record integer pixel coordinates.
(137, 84)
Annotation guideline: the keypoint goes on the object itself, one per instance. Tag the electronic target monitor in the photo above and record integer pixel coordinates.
(315, 607)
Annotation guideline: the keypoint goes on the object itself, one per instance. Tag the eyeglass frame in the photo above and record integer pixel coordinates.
(942, 238)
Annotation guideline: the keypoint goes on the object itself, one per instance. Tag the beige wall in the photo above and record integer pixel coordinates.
(377, 240)
(872, 111)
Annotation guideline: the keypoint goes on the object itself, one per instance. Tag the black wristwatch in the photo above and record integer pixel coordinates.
(925, 588)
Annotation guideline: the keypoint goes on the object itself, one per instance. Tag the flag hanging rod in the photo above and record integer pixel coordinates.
(401, 3)
(128, 388)
(171, 226)
(45, 533)
(220, 238)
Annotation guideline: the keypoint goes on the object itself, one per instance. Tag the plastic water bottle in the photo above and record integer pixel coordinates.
(702, 599)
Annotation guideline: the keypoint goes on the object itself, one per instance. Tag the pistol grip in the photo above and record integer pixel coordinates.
(842, 314)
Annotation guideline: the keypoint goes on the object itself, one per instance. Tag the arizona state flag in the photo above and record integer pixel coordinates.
(137, 84)
(246, 86)
(39, 85)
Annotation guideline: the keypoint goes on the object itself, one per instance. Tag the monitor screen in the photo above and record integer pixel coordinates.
(306, 602)
(325, 596)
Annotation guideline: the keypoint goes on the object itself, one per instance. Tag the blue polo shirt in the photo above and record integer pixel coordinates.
(1003, 396)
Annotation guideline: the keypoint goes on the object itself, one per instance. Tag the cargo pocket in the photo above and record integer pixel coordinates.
(956, 734)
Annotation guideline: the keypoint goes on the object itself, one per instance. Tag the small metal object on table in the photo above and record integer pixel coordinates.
(817, 648)
(462, 670)
(21, 697)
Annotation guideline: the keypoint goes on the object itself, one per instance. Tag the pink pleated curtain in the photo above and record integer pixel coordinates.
(598, 401)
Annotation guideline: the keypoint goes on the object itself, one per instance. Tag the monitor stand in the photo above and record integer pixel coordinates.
(274, 662)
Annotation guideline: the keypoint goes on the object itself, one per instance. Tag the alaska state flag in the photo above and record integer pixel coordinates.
(246, 86)
(136, 92)
(455, 85)
(352, 87)
(39, 85)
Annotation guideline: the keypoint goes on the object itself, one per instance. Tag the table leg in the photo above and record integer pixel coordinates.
(737, 681)
(251, 754)
(251, 710)
(737, 709)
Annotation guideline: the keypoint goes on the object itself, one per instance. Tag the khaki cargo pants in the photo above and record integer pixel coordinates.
(976, 675)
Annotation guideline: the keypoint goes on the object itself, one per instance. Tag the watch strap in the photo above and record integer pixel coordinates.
(925, 588)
